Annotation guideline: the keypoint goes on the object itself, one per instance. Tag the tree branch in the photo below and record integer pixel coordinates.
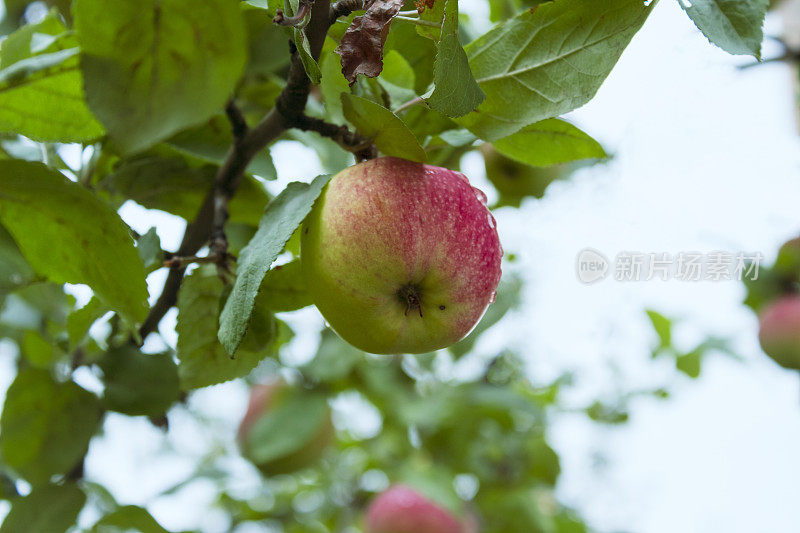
(289, 106)
(348, 140)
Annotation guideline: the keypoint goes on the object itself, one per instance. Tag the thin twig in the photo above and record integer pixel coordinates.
(182, 262)
(790, 56)
(360, 146)
(296, 20)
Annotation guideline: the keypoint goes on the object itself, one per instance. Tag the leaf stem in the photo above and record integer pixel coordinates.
(406, 105)
(418, 22)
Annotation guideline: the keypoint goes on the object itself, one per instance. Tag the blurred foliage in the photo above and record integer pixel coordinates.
(138, 91)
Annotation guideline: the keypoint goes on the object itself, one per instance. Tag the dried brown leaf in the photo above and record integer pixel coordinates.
(361, 46)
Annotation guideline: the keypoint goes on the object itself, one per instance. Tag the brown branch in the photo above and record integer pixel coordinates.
(289, 105)
(360, 146)
(343, 8)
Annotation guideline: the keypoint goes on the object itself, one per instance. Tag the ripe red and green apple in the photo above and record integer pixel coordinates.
(401, 257)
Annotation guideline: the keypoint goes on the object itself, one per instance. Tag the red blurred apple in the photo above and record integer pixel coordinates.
(401, 257)
(314, 434)
(401, 509)
(780, 331)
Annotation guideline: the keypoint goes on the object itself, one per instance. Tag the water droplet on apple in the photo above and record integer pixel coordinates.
(479, 194)
(493, 297)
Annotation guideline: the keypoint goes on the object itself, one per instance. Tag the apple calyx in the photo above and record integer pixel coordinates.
(409, 294)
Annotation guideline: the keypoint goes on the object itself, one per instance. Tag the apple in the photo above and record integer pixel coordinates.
(401, 509)
(780, 331)
(280, 401)
(400, 257)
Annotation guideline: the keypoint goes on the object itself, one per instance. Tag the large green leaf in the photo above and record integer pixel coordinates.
(128, 518)
(154, 67)
(46, 426)
(284, 288)
(203, 360)
(67, 234)
(384, 128)
(41, 90)
(211, 142)
(733, 25)
(137, 383)
(14, 269)
(548, 61)
(549, 142)
(333, 84)
(282, 216)
(456, 92)
(49, 508)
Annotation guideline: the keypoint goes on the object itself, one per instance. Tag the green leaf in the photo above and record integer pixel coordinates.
(663, 327)
(397, 77)
(154, 67)
(387, 131)
(203, 360)
(137, 383)
(548, 61)
(39, 351)
(14, 269)
(282, 216)
(284, 289)
(46, 426)
(690, 363)
(333, 84)
(39, 64)
(309, 63)
(733, 25)
(434, 14)
(334, 359)
(68, 235)
(456, 92)
(295, 418)
(150, 252)
(50, 508)
(80, 320)
(211, 142)
(508, 294)
(126, 519)
(549, 142)
(171, 185)
(418, 51)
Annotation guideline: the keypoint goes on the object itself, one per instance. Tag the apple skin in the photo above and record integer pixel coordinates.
(780, 331)
(400, 257)
(264, 397)
(401, 509)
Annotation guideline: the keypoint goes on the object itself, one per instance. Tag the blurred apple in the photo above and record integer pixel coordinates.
(401, 257)
(285, 428)
(780, 331)
(401, 509)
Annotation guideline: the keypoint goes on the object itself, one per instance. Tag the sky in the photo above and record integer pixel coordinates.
(706, 157)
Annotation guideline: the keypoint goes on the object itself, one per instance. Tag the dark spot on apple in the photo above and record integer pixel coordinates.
(441, 308)
(306, 231)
